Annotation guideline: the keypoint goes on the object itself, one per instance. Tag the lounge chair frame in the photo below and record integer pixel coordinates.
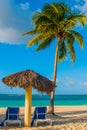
(42, 120)
(12, 121)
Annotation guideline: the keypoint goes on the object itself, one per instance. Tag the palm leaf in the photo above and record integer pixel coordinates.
(69, 38)
(56, 11)
(78, 38)
(69, 42)
(52, 10)
(67, 24)
(49, 28)
(30, 32)
(62, 52)
(35, 40)
(81, 18)
(71, 51)
(40, 18)
(45, 43)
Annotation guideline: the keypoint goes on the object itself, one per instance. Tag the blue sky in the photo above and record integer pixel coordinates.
(15, 19)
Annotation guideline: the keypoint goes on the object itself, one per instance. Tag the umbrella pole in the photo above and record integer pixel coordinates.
(28, 101)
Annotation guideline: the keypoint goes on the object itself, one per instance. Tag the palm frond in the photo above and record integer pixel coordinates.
(71, 51)
(78, 38)
(67, 24)
(81, 18)
(69, 38)
(52, 9)
(62, 52)
(57, 19)
(41, 18)
(45, 43)
(35, 40)
(49, 28)
(30, 32)
(55, 11)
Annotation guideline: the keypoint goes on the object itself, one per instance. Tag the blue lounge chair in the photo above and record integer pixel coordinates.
(40, 114)
(12, 116)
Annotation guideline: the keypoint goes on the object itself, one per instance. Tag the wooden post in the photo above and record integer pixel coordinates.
(28, 102)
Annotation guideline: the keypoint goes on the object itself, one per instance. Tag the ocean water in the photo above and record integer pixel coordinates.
(42, 100)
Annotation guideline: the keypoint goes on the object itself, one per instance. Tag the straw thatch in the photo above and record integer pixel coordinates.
(29, 78)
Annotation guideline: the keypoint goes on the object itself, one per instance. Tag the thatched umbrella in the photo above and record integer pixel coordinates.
(28, 79)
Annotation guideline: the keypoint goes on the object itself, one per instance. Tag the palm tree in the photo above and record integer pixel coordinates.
(57, 20)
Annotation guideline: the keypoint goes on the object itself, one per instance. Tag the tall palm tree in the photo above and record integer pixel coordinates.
(57, 20)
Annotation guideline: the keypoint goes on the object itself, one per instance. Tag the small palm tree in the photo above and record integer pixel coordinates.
(58, 21)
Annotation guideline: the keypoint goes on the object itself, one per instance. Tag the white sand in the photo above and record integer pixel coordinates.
(67, 118)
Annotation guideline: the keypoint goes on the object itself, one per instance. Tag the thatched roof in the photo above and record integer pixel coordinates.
(29, 78)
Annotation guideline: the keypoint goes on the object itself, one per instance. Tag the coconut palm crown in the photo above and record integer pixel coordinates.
(57, 20)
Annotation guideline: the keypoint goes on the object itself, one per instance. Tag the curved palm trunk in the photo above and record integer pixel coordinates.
(51, 107)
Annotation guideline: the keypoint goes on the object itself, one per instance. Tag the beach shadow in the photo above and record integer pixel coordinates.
(61, 118)
(69, 117)
(72, 112)
(11, 126)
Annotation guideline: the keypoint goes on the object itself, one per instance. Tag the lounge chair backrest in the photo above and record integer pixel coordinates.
(12, 116)
(41, 112)
(13, 113)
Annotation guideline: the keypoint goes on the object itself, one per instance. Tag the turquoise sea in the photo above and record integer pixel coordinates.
(42, 100)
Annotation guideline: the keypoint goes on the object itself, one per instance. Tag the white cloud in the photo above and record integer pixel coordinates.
(69, 81)
(24, 6)
(84, 83)
(58, 81)
(82, 6)
(14, 21)
(13, 34)
(66, 58)
(66, 82)
(39, 10)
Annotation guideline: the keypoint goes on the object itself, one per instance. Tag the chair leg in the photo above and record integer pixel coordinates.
(35, 123)
(5, 123)
(51, 122)
(20, 124)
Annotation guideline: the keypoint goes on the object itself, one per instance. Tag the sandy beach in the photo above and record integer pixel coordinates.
(66, 118)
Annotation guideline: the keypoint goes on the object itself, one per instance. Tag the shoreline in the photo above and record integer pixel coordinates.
(57, 109)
